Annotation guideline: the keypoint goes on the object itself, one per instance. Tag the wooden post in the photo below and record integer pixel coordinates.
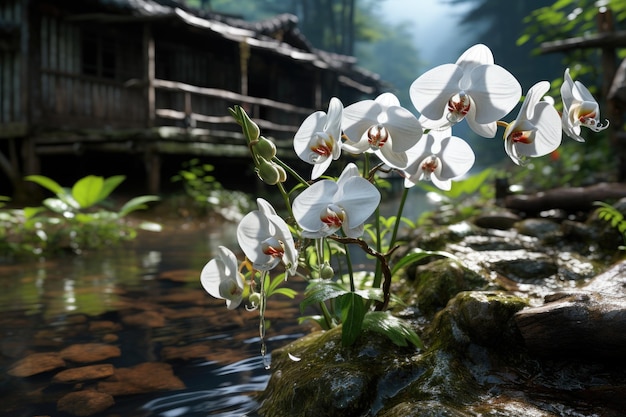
(149, 73)
(244, 57)
(613, 113)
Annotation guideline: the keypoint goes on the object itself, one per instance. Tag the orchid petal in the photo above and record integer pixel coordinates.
(457, 157)
(308, 205)
(359, 198)
(495, 92)
(359, 117)
(431, 91)
(220, 277)
(393, 159)
(403, 127)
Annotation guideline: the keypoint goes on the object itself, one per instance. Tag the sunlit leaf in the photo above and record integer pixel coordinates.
(86, 191)
(45, 182)
(417, 255)
(397, 330)
(137, 203)
(319, 291)
(109, 185)
(151, 226)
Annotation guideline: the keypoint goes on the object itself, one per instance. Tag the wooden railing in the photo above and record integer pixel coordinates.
(195, 106)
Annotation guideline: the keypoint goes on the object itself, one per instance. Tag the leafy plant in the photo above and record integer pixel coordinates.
(207, 193)
(76, 222)
(612, 216)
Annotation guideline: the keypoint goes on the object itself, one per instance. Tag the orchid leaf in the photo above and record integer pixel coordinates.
(397, 330)
(137, 203)
(45, 182)
(319, 291)
(417, 255)
(352, 314)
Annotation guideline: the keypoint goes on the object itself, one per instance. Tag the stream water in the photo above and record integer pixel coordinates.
(46, 306)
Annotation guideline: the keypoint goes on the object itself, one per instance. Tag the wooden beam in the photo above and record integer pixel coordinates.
(598, 40)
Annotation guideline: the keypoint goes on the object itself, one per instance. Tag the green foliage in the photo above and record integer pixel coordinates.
(207, 194)
(612, 216)
(398, 331)
(70, 219)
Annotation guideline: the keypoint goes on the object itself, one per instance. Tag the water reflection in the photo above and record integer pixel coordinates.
(145, 299)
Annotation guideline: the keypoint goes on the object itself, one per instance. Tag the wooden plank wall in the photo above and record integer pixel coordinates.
(11, 110)
(68, 97)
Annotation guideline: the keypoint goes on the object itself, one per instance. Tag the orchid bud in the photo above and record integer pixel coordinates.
(250, 127)
(268, 172)
(265, 148)
(255, 299)
(327, 271)
(282, 174)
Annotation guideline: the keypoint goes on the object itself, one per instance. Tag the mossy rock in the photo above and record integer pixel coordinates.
(439, 281)
(332, 380)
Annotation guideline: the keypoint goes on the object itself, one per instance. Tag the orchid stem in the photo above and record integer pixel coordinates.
(396, 226)
(291, 171)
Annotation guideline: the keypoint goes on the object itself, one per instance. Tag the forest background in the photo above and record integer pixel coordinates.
(401, 39)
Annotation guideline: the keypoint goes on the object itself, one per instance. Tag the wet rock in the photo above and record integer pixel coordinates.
(90, 352)
(143, 378)
(185, 353)
(424, 409)
(150, 319)
(525, 266)
(539, 228)
(485, 318)
(85, 403)
(103, 326)
(501, 220)
(439, 281)
(83, 373)
(37, 363)
(330, 380)
(612, 281)
(582, 324)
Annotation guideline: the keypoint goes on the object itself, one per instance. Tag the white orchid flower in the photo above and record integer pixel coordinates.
(439, 158)
(383, 127)
(266, 240)
(579, 109)
(474, 89)
(318, 140)
(221, 278)
(537, 129)
(327, 206)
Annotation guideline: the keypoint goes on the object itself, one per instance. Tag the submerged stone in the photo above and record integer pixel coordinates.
(85, 403)
(36, 363)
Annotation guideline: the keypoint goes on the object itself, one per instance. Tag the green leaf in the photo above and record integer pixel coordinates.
(352, 314)
(417, 255)
(45, 182)
(57, 205)
(86, 191)
(137, 203)
(319, 291)
(397, 330)
(109, 185)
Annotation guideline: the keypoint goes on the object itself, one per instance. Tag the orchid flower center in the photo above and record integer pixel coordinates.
(523, 136)
(429, 165)
(229, 289)
(322, 147)
(458, 107)
(333, 217)
(273, 247)
(377, 136)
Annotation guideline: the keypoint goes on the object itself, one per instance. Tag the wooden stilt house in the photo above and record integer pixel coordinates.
(152, 78)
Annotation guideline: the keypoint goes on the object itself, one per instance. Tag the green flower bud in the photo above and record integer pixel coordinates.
(268, 172)
(251, 127)
(255, 299)
(282, 174)
(265, 148)
(327, 271)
